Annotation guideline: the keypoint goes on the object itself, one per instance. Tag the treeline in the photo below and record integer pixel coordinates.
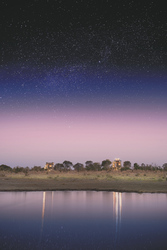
(149, 167)
(18, 169)
(89, 166)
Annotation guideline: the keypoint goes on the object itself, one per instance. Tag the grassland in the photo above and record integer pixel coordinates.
(125, 181)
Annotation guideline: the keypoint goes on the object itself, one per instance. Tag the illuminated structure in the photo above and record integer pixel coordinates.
(116, 164)
(49, 165)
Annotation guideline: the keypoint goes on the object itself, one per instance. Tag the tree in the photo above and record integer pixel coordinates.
(26, 171)
(78, 167)
(127, 164)
(164, 166)
(59, 166)
(88, 162)
(148, 167)
(89, 165)
(106, 164)
(18, 169)
(136, 166)
(5, 167)
(142, 166)
(37, 168)
(67, 165)
(92, 166)
(96, 166)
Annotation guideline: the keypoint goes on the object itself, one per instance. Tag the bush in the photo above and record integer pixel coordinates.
(37, 168)
(18, 169)
(125, 168)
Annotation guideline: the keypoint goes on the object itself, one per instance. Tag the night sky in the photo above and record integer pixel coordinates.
(83, 80)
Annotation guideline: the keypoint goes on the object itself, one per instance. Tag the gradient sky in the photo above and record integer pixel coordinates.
(83, 81)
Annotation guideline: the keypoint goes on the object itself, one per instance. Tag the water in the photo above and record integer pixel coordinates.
(82, 220)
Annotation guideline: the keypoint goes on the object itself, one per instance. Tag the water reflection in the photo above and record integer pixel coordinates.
(117, 210)
(43, 206)
(82, 220)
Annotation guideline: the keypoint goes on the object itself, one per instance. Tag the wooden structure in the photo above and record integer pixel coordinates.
(116, 164)
(49, 165)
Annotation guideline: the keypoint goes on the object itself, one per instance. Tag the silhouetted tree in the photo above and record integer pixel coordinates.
(148, 167)
(37, 168)
(78, 167)
(96, 166)
(164, 166)
(127, 164)
(26, 171)
(142, 167)
(89, 165)
(59, 166)
(67, 165)
(5, 168)
(136, 166)
(106, 164)
(88, 162)
(18, 169)
(92, 166)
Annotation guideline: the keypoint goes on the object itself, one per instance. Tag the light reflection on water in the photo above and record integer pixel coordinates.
(82, 220)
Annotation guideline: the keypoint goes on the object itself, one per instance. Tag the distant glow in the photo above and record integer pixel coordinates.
(32, 139)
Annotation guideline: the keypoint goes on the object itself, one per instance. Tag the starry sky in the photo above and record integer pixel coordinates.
(83, 80)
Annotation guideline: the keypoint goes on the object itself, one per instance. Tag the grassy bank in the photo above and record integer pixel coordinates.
(130, 181)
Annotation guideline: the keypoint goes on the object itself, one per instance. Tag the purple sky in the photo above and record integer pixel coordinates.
(83, 81)
(32, 138)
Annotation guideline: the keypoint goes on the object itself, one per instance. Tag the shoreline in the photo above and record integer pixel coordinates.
(94, 181)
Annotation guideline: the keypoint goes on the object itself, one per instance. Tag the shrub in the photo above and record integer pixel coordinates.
(124, 168)
(18, 169)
